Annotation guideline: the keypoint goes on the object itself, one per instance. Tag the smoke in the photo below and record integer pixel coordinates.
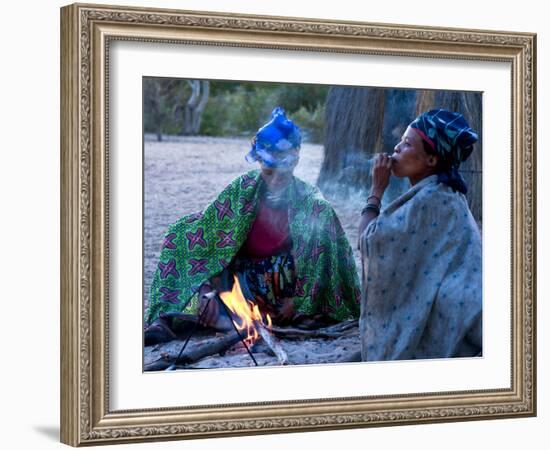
(358, 166)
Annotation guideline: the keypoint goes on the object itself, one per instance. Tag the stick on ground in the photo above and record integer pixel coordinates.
(273, 343)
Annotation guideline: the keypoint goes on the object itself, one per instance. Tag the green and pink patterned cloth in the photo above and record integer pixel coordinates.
(200, 246)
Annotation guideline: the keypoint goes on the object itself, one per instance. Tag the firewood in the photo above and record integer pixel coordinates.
(328, 332)
(343, 326)
(212, 346)
(273, 343)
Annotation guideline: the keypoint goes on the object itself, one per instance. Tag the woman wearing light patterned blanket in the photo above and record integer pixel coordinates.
(422, 268)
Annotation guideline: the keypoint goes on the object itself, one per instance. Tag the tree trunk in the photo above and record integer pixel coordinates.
(153, 99)
(469, 104)
(352, 135)
(205, 94)
(194, 107)
(359, 123)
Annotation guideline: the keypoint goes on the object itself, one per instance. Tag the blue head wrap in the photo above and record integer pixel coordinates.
(274, 141)
(450, 137)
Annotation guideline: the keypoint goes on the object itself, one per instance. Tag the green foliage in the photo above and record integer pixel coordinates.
(234, 108)
(312, 123)
(301, 96)
(237, 111)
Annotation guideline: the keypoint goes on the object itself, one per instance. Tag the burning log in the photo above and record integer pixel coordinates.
(250, 319)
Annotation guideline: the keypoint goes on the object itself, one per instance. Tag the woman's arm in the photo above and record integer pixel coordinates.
(381, 171)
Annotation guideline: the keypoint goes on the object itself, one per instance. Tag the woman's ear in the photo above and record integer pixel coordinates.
(432, 160)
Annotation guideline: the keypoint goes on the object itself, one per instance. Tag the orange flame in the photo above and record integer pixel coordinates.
(248, 313)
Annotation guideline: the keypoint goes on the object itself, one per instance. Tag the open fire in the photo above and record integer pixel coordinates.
(248, 315)
(296, 346)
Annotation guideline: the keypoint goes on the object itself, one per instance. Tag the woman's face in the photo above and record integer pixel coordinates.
(277, 178)
(410, 159)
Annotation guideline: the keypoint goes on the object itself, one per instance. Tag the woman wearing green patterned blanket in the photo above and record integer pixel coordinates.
(273, 231)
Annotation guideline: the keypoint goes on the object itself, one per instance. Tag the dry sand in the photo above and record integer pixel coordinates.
(183, 175)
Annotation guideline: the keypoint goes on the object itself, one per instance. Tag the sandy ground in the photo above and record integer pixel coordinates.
(182, 175)
(302, 351)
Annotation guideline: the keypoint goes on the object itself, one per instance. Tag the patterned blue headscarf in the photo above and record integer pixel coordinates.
(450, 137)
(274, 141)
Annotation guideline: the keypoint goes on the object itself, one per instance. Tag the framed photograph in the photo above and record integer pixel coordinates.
(168, 120)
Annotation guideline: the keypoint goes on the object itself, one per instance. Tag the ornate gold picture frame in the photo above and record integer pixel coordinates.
(87, 414)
